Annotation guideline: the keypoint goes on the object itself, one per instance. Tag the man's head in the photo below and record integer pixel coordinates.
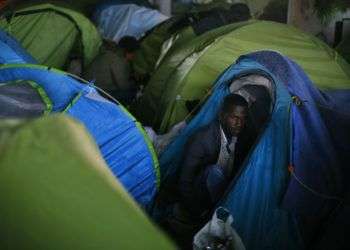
(129, 44)
(233, 114)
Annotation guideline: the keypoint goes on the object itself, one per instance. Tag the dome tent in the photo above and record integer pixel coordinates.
(188, 70)
(298, 164)
(200, 19)
(151, 45)
(32, 24)
(33, 90)
(58, 193)
(11, 51)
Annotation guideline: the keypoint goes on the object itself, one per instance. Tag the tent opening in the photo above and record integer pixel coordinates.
(259, 92)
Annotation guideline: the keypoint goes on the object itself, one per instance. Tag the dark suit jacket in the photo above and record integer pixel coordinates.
(203, 150)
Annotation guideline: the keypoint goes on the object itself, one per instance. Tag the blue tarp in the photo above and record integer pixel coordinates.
(11, 51)
(120, 138)
(298, 136)
(115, 20)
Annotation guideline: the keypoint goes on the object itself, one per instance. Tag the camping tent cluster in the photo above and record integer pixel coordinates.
(292, 206)
(297, 166)
(190, 66)
(58, 193)
(112, 126)
(50, 155)
(115, 20)
(77, 179)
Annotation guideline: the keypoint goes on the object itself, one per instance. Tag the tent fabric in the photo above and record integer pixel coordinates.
(151, 44)
(263, 224)
(11, 51)
(264, 199)
(21, 100)
(59, 30)
(312, 126)
(115, 21)
(188, 70)
(58, 193)
(121, 139)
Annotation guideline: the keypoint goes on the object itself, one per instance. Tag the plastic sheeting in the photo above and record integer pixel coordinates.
(121, 139)
(11, 51)
(117, 20)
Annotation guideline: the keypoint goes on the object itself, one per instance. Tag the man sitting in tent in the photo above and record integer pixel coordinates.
(111, 70)
(211, 161)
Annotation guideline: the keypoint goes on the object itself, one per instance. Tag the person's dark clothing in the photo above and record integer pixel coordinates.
(202, 151)
(112, 73)
(210, 185)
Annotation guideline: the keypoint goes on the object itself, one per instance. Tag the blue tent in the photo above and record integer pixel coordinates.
(116, 19)
(121, 139)
(11, 51)
(298, 166)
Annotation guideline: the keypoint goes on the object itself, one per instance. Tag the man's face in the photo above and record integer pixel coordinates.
(234, 120)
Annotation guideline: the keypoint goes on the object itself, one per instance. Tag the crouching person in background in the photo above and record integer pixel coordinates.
(111, 70)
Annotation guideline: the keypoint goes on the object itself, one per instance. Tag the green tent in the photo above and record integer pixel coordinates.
(52, 33)
(151, 45)
(156, 39)
(189, 68)
(57, 192)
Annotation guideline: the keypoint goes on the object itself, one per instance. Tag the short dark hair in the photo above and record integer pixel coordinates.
(129, 43)
(233, 100)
